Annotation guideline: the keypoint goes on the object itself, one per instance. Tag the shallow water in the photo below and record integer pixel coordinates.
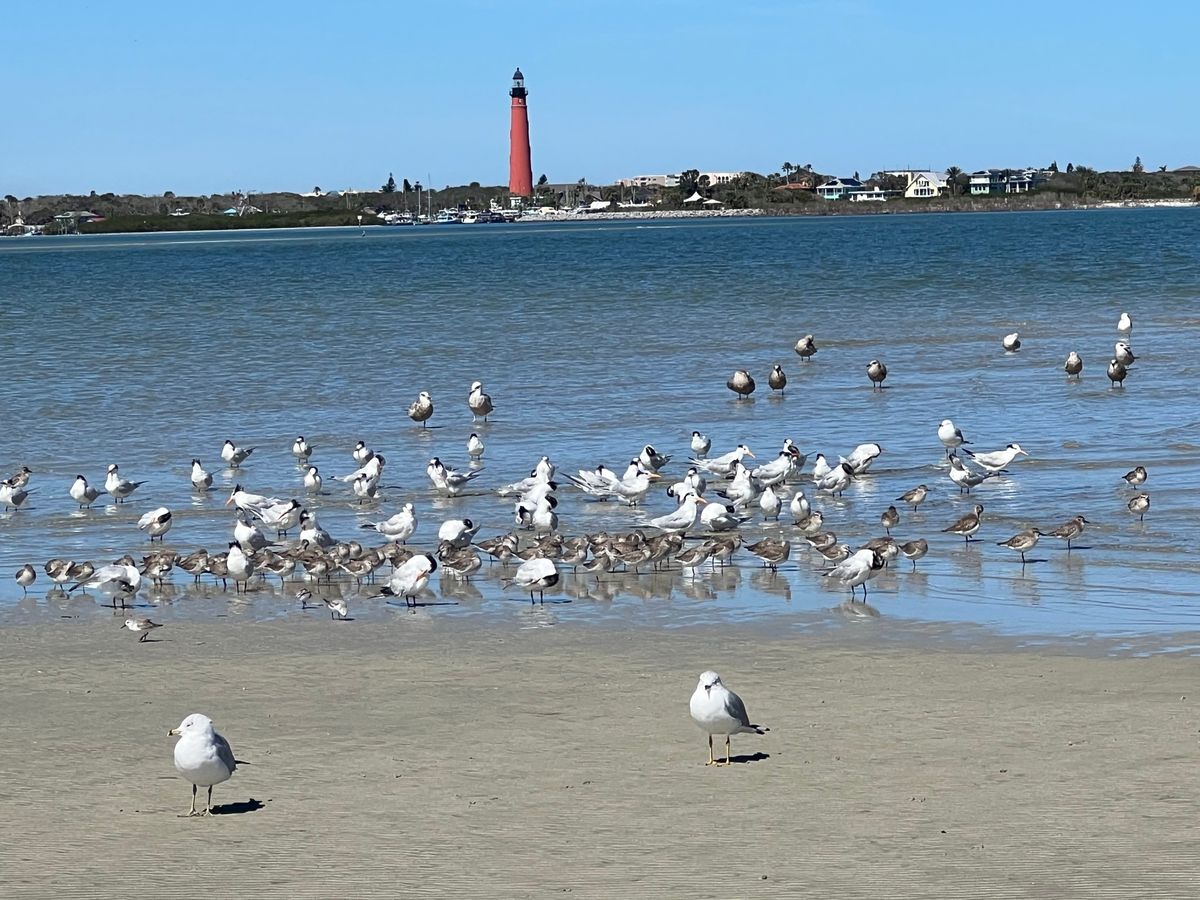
(594, 339)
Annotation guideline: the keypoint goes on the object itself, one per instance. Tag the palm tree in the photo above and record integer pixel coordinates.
(788, 169)
(952, 174)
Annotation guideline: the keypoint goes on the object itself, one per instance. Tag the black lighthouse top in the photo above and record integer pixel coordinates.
(518, 88)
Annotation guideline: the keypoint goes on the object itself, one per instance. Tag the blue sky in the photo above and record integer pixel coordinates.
(264, 95)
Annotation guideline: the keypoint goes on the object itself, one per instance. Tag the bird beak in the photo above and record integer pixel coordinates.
(653, 475)
(751, 455)
(699, 499)
(172, 732)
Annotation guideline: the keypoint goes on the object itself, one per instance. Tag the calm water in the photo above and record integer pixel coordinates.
(595, 339)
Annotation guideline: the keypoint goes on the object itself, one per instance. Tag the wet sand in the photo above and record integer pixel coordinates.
(430, 758)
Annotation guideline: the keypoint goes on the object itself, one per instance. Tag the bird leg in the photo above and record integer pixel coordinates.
(726, 750)
(711, 761)
(143, 637)
(192, 811)
(208, 804)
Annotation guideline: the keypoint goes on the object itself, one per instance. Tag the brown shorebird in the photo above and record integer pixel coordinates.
(915, 497)
(1068, 531)
(967, 525)
(777, 379)
(741, 383)
(915, 550)
(889, 519)
(877, 372)
(1022, 542)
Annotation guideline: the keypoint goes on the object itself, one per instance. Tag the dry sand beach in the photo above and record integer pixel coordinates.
(430, 758)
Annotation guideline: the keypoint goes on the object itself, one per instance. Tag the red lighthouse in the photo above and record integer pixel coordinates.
(520, 169)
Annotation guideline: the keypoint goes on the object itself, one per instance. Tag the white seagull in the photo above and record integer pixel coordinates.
(718, 710)
(951, 436)
(1125, 323)
(479, 402)
(202, 757)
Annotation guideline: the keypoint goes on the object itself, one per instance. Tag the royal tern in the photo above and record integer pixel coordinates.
(862, 457)
(741, 383)
(448, 480)
(770, 504)
(410, 578)
(821, 468)
(118, 486)
(474, 446)
(701, 444)
(248, 535)
(837, 480)
(241, 567)
(117, 577)
(479, 402)
(83, 493)
(717, 710)
(235, 455)
(312, 480)
(723, 465)
(249, 503)
(536, 575)
(651, 459)
(719, 517)
(301, 449)
(365, 488)
(361, 453)
(998, 460)
(799, 507)
(683, 519)
(156, 523)
(457, 533)
(201, 480)
(283, 517)
(857, 569)
(399, 528)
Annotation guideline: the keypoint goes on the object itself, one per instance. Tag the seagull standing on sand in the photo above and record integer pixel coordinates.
(421, 409)
(479, 402)
(717, 710)
(202, 757)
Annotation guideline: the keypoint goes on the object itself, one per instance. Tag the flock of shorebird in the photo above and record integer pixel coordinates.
(714, 499)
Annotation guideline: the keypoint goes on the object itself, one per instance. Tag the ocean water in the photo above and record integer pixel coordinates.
(594, 339)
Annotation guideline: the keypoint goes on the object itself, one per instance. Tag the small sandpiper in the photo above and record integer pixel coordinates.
(967, 525)
(1068, 531)
(26, 575)
(1022, 542)
(1136, 476)
(889, 519)
(915, 550)
(1140, 505)
(144, 626)
(915, 497)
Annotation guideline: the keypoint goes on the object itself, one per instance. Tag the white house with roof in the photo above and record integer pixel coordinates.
(1005, 181)
(837, 188)
(925, 184)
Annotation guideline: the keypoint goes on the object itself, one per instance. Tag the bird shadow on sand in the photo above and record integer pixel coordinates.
(151, 640)
(422, 604)
(744, 758)
(242, 806)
